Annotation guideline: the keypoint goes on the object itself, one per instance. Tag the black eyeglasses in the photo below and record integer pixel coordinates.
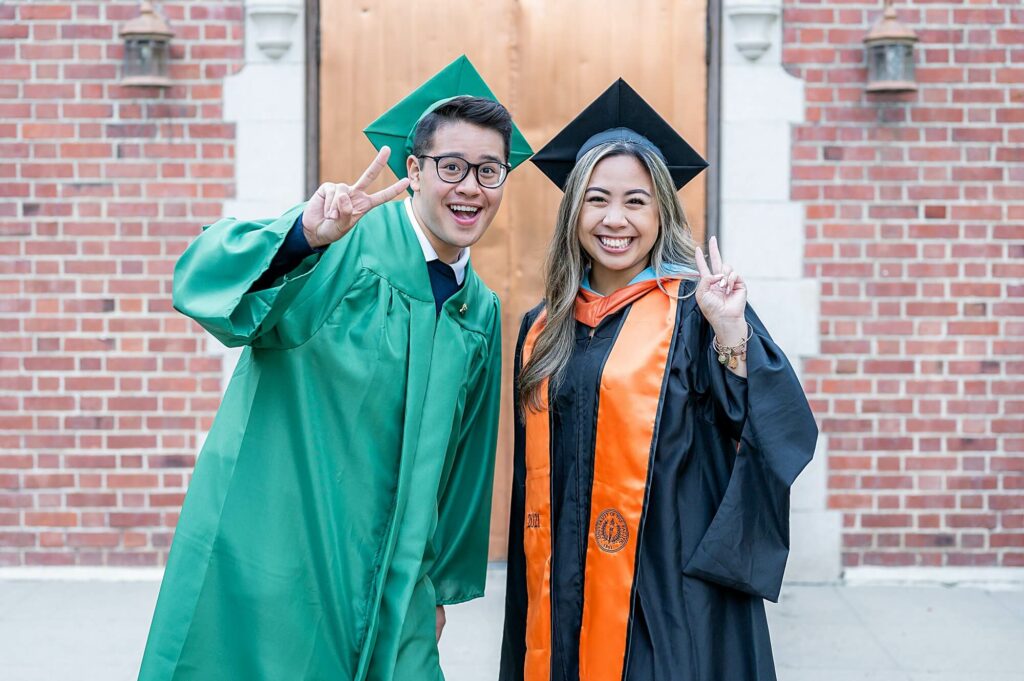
(453, 169)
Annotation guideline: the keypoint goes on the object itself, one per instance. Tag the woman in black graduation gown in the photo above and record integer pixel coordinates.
(658, 431)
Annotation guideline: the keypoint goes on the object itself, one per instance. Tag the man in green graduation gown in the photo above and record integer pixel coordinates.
(343, 493)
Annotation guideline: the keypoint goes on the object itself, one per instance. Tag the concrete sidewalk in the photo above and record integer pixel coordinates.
(95, 631)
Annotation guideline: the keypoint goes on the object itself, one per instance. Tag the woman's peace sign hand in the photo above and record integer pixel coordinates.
(335, 208)
(722, 296)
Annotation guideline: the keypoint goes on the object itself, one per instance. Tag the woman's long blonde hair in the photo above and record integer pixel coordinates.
(566, 263)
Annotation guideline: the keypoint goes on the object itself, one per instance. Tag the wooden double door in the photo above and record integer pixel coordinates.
(545, 60)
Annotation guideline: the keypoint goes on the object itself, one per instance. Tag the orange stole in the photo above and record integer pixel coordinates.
(537, 529)
(625, 439)
(629, 398)
(592, 307)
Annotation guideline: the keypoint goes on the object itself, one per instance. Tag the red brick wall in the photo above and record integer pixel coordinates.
(915, 230)
(104, 387)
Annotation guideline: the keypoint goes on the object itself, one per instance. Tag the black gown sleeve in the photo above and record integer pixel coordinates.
(513, 643)
(747, 543)
(729, 393)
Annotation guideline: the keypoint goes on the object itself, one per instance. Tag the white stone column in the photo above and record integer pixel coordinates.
(762, 235)
(267, 102)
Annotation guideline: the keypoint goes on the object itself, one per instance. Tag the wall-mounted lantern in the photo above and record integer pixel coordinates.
(890, 47)
(147, 50)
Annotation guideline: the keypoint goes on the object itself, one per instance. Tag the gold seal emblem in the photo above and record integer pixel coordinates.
(611, 531)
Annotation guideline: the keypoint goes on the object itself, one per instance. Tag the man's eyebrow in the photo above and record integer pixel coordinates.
(458, 154)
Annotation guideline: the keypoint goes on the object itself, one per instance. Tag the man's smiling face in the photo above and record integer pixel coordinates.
(456, 215)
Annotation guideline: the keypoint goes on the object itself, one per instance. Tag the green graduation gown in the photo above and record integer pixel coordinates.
(344, 489)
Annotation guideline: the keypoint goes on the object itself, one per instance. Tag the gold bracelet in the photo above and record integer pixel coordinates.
(731, 354)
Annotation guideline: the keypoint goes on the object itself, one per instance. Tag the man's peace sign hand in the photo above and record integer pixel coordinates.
(335, 208)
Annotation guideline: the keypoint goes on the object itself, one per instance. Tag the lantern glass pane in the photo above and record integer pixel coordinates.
(145, 57)
(159, 48)
(908, 61)
(133, 62)
(891, 62)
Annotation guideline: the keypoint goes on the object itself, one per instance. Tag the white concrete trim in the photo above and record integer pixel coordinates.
(995, 578)
(274, 20)
(762, 231)
(81, 574)
(752, 23)
(266, 101)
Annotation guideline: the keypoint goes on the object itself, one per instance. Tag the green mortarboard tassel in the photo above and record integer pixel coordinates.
(395, 126)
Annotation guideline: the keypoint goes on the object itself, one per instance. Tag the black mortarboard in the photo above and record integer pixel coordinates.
(618, 114)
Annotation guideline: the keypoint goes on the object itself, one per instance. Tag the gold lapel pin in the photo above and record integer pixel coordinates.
(463, 309)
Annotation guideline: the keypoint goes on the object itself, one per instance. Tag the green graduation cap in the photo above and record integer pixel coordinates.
(395, 126)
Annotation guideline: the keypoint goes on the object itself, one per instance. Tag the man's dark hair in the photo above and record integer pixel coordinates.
(476, 110)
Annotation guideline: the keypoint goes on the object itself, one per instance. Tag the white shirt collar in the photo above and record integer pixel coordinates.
(428, 251)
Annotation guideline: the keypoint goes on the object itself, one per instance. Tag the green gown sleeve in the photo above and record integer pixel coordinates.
(464, 505)
(213, 278)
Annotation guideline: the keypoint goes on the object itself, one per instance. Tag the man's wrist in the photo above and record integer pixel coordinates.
(314, 245)
(301, 242)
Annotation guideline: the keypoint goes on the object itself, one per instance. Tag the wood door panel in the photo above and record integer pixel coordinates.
(545, 60)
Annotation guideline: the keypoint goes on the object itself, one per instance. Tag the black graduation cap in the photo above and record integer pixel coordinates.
(618, 114)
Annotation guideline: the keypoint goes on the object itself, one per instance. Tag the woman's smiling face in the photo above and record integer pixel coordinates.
(618, 222)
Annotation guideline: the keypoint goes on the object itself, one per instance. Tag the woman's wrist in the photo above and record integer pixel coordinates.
(731, 332)
(732, 354)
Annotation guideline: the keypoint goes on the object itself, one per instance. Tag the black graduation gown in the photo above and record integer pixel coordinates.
(714, 534)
